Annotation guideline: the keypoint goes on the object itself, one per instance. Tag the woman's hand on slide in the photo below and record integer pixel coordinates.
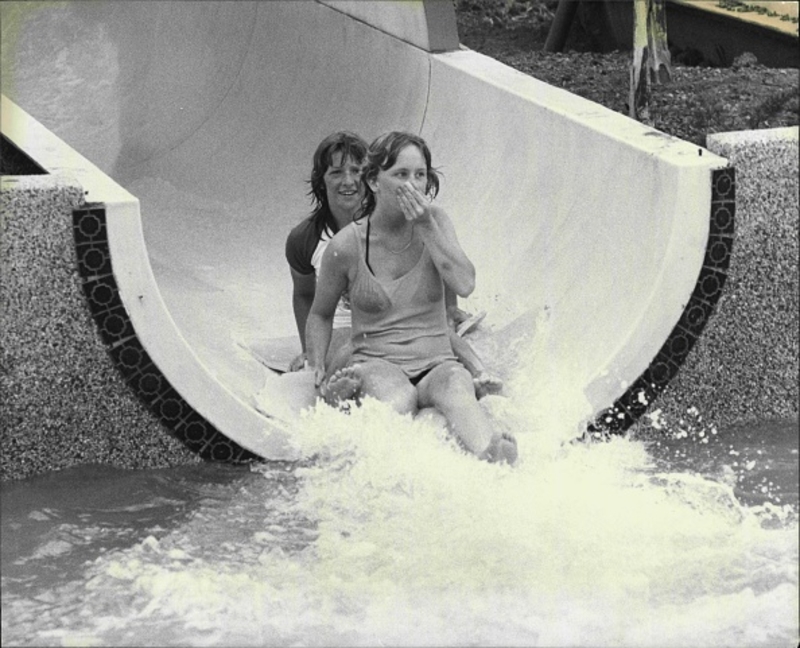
(457, 316)
(319, 380)
(299, 363)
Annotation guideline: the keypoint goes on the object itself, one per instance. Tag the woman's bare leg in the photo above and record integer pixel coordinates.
(449, 388)
(431, 415)
(377, 378)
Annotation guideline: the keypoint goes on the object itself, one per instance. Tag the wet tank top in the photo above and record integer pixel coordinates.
(402, 320)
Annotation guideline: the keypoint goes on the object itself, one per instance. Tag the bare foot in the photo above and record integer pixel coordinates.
(486, 384)
(502, 448)
(343, 385)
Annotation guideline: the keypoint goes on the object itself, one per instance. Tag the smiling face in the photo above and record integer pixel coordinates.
(410, 166)
(343, 187)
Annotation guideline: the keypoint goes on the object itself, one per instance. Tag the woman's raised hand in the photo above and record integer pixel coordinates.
(416, 205)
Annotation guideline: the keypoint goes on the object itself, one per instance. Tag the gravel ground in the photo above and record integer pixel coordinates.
(698, 100)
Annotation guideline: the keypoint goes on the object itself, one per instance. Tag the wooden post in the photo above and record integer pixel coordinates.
(651, 59)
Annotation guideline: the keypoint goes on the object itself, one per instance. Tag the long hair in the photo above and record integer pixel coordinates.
(349, 145)
(382, 155)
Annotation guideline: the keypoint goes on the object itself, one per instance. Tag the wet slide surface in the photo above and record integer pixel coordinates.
(211, 126)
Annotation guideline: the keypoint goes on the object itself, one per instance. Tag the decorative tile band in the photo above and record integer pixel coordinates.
(646, 389)
(127, 352)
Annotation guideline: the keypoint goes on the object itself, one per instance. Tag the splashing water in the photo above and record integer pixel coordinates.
(394, 536)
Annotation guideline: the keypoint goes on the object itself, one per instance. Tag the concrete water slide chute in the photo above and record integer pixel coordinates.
(208, 113)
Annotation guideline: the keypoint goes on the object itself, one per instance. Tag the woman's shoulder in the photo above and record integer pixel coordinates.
(347, 237)
(345, 242)
(304, 234)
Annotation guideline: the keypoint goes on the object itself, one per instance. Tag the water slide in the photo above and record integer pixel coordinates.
(601, 245)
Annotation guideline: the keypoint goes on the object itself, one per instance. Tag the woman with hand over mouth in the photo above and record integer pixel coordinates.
(395, 262)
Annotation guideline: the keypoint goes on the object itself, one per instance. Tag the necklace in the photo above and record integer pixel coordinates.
(388, 249)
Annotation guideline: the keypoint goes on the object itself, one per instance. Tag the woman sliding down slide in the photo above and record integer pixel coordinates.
(394, 262)
(337, 192)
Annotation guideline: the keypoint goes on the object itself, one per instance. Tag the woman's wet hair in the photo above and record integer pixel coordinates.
(349, 145)
(383, 154)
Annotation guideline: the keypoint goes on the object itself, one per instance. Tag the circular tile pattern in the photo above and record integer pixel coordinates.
(130, 358)
(103, 295)
(90, 224)
(636, 400)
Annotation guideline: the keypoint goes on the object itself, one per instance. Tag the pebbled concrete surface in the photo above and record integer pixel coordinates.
(63, 401)
(744, 368)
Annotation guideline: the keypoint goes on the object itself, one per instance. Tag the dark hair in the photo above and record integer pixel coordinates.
(349, 145)
(382, 155)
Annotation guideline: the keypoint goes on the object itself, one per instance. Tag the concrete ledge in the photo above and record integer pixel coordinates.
(750, 15)
(701, 28)
(722, 143)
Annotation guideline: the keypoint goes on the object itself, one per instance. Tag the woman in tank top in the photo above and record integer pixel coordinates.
(394, 262)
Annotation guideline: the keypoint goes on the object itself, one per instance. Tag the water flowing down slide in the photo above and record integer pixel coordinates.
(600, 244)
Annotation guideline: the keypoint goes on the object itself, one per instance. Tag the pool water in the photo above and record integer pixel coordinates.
(392, 536)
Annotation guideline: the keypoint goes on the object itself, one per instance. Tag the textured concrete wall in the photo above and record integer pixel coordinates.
(63, 401)
(745, 366)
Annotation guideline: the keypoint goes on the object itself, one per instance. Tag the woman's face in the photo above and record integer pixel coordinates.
(410, 166)
(343, 185)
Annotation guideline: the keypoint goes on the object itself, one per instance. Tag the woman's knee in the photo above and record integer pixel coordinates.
(404, 401)
(449, 383)
(387, 383)
(456, 378)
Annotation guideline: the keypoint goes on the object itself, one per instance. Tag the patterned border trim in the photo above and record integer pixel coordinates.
(639, 396)
(128, 354)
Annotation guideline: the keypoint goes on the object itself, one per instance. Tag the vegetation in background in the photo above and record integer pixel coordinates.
(697, 101)
(536, 14)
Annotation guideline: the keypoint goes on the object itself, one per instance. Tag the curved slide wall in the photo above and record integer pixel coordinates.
(614, 234)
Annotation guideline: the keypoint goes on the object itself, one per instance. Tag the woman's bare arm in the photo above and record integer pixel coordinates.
(303, 290)
(331, 283)
(440, 238)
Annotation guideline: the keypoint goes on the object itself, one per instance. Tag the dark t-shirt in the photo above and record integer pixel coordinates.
(301, 246)
(304, 254)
